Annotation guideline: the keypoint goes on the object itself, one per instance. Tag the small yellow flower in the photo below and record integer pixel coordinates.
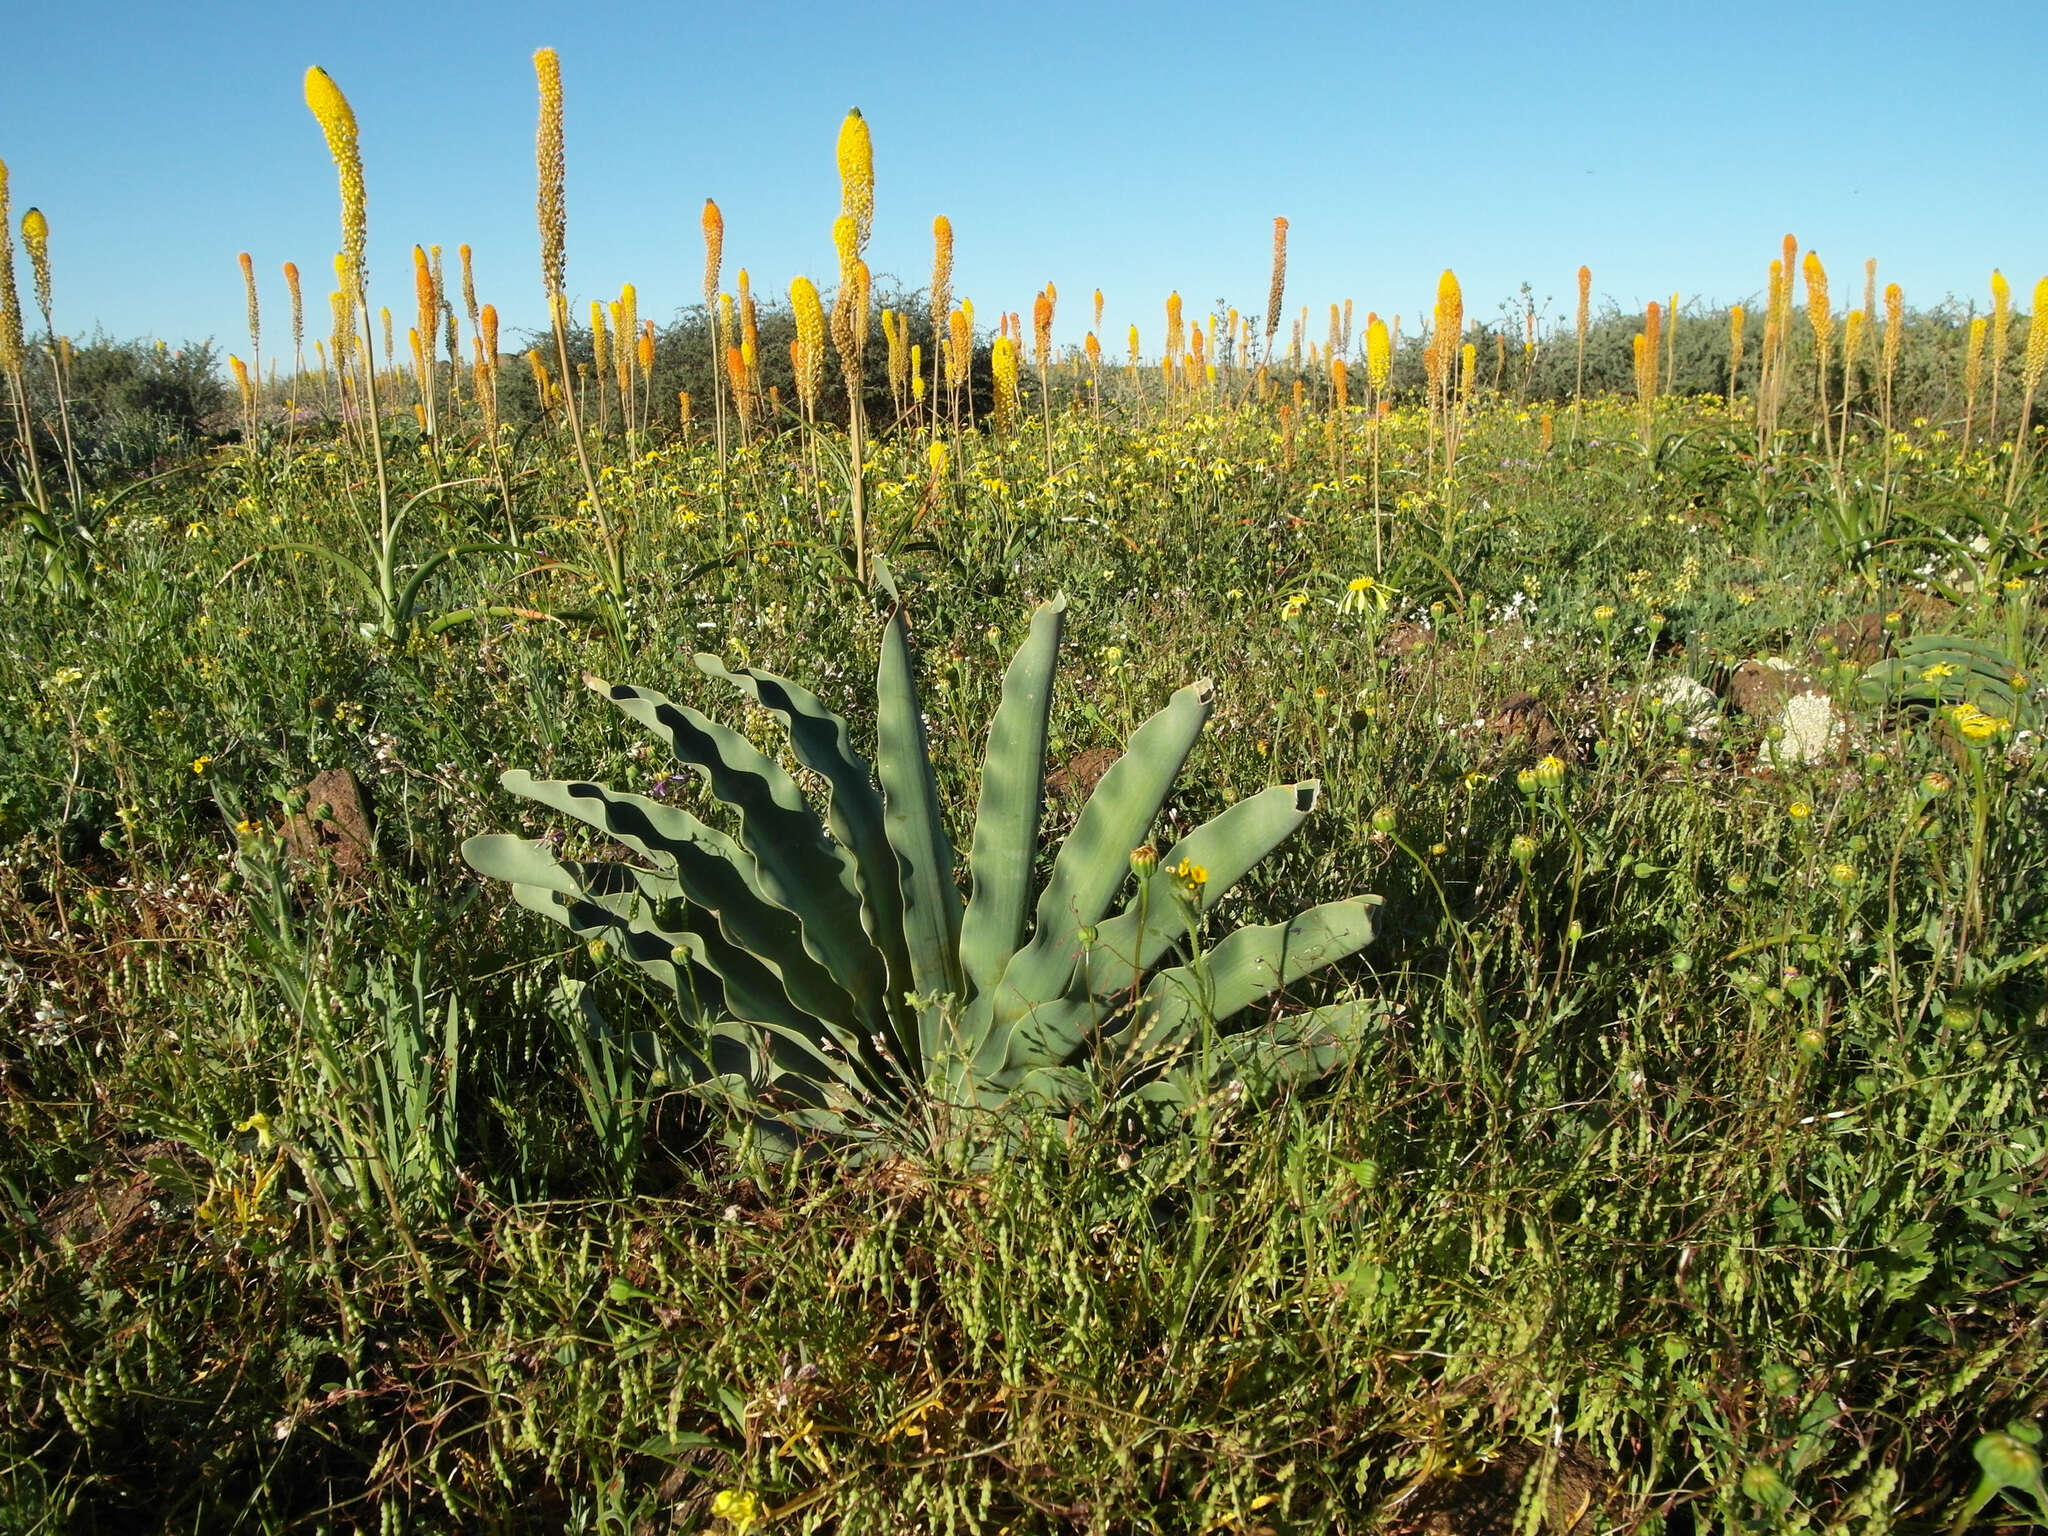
(201, 764)
(1977, 726)
(2021, 682)
(1604, 614)
(1799, 811)
(1938, 671)
(1438, 850)
(1843, 874)
(1362, 583)
(260, 1124)
(1190, 877)
(245, 827)
(738, 1508)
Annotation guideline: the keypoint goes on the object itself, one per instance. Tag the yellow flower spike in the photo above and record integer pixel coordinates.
(551, 162)
(291, 283)
(857, 178)
(846, 241)
(810, 341)
(1894, 325)
(600, 337)
(1276, 286)
(1818, 315)
(1003, 363)
(959, 344)
(2001, 325)
(338, 122)
(35, 239)
(1450, 306)
(645, 350)
(1134, 346)
(1041, 326)
(2037, 338)
(1379, 354)
(714, 251)
(942, 272)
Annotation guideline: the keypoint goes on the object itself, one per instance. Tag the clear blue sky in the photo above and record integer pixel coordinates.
(1135, 148)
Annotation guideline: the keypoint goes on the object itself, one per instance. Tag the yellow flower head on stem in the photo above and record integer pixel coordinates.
(714, 251)
(857, 178)
(338, 122)
(550, 160)
(35, 239)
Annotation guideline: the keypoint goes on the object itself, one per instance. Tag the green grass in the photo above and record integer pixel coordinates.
(1692, 1179)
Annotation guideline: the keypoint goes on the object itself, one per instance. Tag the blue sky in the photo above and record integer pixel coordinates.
(1137, 148)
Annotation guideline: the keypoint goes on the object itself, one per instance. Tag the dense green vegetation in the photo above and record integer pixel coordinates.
(1687, 1170)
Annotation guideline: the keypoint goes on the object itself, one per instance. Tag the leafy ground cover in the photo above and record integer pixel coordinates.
(1688, 1174)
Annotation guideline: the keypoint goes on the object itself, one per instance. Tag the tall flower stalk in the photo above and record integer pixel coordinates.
(2001, 333)
(1276, 286)
(35, 239)
(551, 161)
(856, 157)
(714, 258)
(2033, 361)
(1584, 319)
(338, 123)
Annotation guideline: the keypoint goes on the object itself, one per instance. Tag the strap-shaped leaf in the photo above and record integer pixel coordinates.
(518, 861)
(1251, 964)
(1297, 1047)
(1226, 846)
(644, 912)
(1005, 842)
(924, 854)
(1095, 859)
(821, 742)
(712, 871)
(754, 990)
(800, 868)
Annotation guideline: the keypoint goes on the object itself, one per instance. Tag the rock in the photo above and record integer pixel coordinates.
(1758, 688)
(1405, 639)
(1082, 773)
(335, 825)
(1810, 731)
(1693, 702)
(1523, 721)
